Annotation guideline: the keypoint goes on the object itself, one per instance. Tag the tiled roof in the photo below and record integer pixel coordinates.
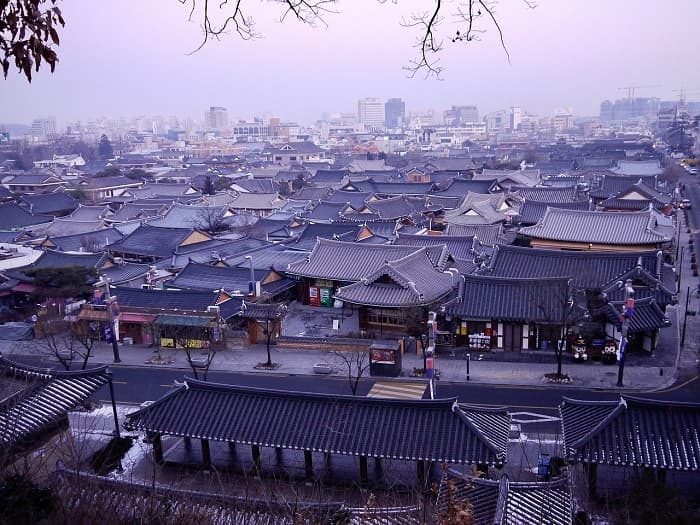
(196, 276)
(460, 187)
(42, 398)
(647, 315)
(257, 201)
(356, 199)
(525, 300)
(460, 247)
(479, 209)
(325, 177)
(95, 183)
(632, 432)
(131, 211)
(589, 270)
(62, 226)
(346, 231)
(57, 259)
(393, 188)
(125, 272)
(347, 261)
(13, 216)
(400, 207)
(89, 213)
(326, 211)
(190, 216)
(596, 227)
(440, 430)
(148, 240)
(553, 195)
(274, 256)
(638, 167)
(501, 501)
(88, 242)
(410, 281)
(488, 234)
(50, 203)
(532, 212)
(255, 185)
(164, 299)
(616, 184)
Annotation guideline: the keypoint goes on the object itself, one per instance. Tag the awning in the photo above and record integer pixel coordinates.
(184, 320)
(136, 318)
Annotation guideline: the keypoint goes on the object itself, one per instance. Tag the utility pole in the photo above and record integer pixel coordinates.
(111, 302)
(430, 353)
(627, 312)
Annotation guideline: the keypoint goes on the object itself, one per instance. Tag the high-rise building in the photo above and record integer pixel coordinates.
(43, 127)
(394, 113)
(458, 115)
(516, 117)
(216, 119)
(370, 113)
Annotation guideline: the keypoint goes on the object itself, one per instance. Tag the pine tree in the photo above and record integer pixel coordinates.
(104, 149)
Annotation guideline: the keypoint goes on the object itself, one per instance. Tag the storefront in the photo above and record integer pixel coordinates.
(136, 328)
(186, 331)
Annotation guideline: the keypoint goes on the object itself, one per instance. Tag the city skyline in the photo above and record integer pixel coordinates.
(105, 71)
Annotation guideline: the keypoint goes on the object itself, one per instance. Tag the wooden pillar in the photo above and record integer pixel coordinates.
(232, 446)
(157, 449)
(661, 476)
(363, 470)
(420, 469)
(308, 464)
(255, 450)
(592, 470)
(206, 452)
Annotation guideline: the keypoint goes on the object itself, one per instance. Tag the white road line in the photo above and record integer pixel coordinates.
(397, 390)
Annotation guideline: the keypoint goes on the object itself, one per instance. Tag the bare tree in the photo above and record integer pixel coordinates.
(264, 315)
(66, 342)
(443, 22)
(210, 219)
(354, 363)
(199, 358)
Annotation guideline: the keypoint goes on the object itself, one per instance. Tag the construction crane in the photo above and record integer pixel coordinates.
(631, 89)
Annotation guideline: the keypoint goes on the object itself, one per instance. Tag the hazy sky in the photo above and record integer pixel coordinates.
(131, 57)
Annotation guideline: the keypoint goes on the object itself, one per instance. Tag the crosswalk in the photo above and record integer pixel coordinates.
(397, 390)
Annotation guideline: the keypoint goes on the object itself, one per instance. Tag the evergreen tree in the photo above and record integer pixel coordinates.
(104, 149)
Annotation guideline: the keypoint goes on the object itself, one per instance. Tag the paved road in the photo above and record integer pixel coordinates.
(137, 384)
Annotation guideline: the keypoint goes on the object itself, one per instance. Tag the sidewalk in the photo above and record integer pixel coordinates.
(591, 375)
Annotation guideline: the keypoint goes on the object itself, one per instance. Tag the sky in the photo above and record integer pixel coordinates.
(132, 57)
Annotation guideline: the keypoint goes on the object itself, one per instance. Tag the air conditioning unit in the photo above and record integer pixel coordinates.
(118, 260)
(146, 287)
(213, 309)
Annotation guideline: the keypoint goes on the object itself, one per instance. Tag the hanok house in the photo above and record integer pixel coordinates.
(599, 230)
(615, 441)
(333, 264)
(386, 296)
(511, 314)
(172, 319)
(424, 432)
(34, 403)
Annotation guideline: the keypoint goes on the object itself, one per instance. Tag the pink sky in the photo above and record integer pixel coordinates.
(129, 57)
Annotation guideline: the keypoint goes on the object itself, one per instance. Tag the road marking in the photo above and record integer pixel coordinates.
(396, 390)
(678, 386)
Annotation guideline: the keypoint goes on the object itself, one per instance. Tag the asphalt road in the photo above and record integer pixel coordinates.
(138, 384)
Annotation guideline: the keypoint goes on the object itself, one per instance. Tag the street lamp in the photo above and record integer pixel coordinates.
(627, 312)
(111, 304)
(251, 282)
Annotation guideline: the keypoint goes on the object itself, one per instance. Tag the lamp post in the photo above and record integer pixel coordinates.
(627, 312)
(110, 302)
(251, 282)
